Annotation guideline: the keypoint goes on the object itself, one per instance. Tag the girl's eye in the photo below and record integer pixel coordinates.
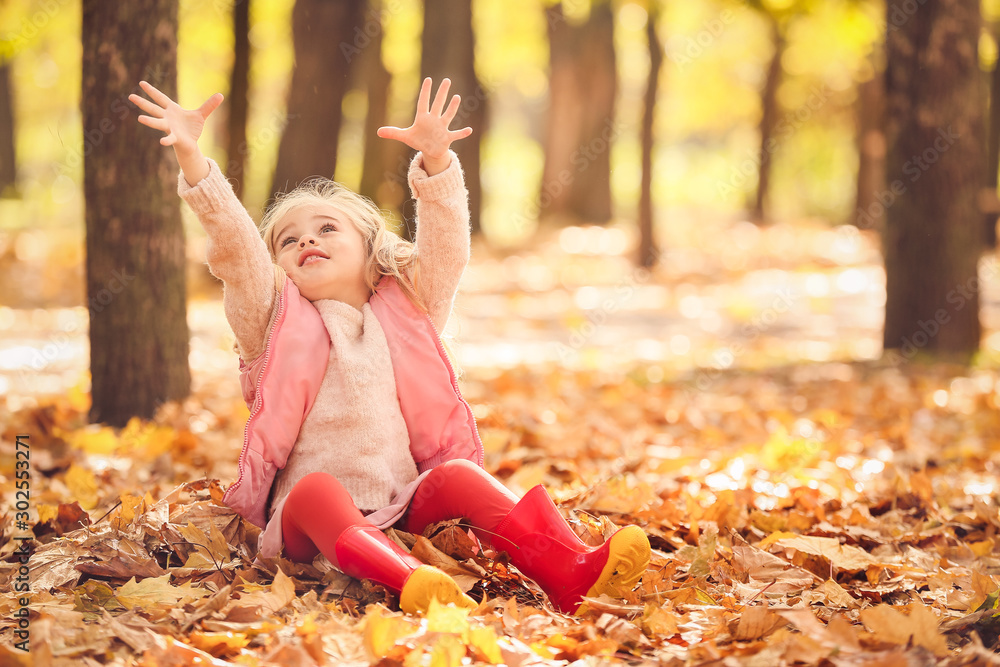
(292, 239)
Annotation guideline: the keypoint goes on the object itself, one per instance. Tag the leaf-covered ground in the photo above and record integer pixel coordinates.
(816, 512)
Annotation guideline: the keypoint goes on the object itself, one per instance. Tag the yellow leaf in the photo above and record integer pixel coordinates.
(307, 626)
(441, 618)
(704, 597)
(131, 507)
(448, 651)
(251, 587)
(274, 597)
(218, 543)
(543, 650)
(774, 537)
(982, 549)
(283, 588)
(562, 642)
(484, 640)
(47, 512)
(843, 556)
(94, 439)
(891, 626)
(383, 631)
(982, 587)
(658, 621)
(215, 548)
(82, 485)
(199, 561)
(218, 643)
(156, 591)
(78, 395)
(837, 595)
(146, 439)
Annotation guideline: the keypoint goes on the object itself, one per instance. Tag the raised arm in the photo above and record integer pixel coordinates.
(181, 126)
(236, 253)
(437, 183)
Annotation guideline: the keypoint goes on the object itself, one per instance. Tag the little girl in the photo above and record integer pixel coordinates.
(356, 420)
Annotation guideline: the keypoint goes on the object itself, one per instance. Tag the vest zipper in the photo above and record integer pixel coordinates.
(258, 402)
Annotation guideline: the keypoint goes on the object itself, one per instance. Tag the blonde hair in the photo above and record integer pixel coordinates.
(386, 253)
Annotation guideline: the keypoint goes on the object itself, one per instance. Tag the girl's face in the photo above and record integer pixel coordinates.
(323, 253)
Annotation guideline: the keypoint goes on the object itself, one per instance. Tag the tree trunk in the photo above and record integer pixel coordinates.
(326, 35)
(869, 211)
(565, 115)
(580, 126)
(590, 192)
(376, 79)
(134, 238)
(239, 92)
(935, 169)
(768, 121)
(8, 157)
(993, 153)
(448, 50)
(648, 251)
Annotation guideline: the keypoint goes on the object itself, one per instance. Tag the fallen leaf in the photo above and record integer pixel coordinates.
(837, 595)
(83, 485)
(153, 591)
(843, 556)
(384, 629)
(919, 627)
(756, 623)
(466, 575)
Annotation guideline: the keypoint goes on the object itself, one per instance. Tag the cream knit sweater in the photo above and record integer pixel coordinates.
(355, 430)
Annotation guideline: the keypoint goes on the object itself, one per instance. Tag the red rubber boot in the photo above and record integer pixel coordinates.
(364, 552)
(543, 546)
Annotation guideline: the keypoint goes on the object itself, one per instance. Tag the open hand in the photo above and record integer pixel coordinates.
(182, 126)
(429, 132)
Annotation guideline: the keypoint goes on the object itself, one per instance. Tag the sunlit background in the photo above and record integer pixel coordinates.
(727, 293)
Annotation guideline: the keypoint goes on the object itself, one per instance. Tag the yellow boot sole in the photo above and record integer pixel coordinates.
(428, 582)
(628, 557)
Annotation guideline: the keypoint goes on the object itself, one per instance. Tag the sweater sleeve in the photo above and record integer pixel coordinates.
(237, 255)
(442, 236)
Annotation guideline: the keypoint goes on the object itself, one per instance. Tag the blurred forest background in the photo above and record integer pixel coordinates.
(715, 164)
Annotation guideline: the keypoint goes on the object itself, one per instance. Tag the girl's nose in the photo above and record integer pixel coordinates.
(302, 241)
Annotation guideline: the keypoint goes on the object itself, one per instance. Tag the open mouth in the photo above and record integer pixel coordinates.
(311, 257)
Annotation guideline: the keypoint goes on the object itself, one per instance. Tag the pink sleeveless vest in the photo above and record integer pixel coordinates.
(281, 384)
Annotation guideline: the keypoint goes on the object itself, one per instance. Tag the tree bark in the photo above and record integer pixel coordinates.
(993, 153)
(327, 36)
(376, 79)
(448, 50)
(648, 251)
(935, 169)
(239, 93)
(760, 214)
(565, 115)
(135, 278)
(580, 127)
(869, 211)
(8, 156)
